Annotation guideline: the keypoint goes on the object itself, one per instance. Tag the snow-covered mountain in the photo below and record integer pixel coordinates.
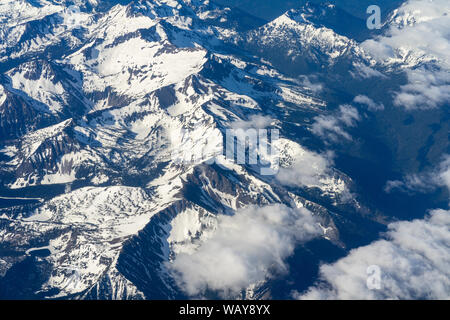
(100, 99)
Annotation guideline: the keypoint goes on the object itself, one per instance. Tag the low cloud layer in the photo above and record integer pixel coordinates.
(245, 249)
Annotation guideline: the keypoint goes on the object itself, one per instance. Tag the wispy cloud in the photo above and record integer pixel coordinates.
(365, 72)
(314, 86)
(331, 127)
(426, 89)
(423, 182)
(371, 105)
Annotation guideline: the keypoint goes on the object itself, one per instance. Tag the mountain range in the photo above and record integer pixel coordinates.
(96, 98)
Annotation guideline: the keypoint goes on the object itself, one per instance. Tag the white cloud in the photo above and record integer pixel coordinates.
(423, 182)
(255, 122)
(328, 127)
(418, 35)
(414, 263)
(426, 89)
(306, 170)
(444, 175)
(245, 249)
(378, 49)
(331, 126)
(413, 258)
(365, 72)
(371, 105)
(419, 29)
(348, 115)
(414, 183)
(314, 86)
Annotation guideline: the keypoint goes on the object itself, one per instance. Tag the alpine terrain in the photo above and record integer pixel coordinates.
(117, 173)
